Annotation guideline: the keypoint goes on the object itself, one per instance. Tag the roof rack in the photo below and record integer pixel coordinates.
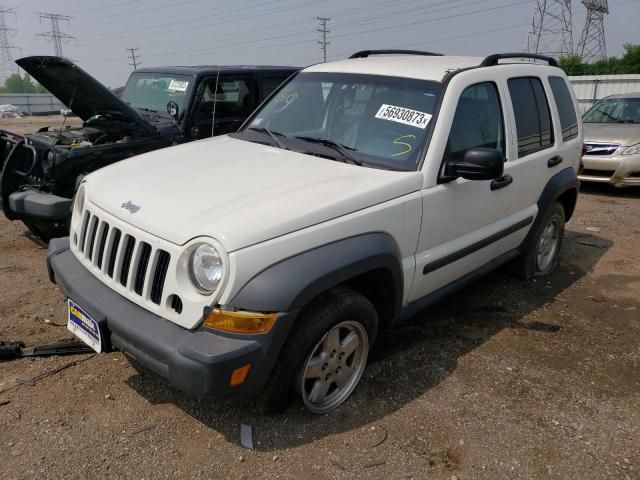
(493, 60)
(367, 53)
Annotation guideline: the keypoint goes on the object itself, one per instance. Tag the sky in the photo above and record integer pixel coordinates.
(284, 32)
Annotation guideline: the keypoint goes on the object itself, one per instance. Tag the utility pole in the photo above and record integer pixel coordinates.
(7, 67)
(134, 57)
(593, 45)
(323, 36)
(55, 35)
(552, 31)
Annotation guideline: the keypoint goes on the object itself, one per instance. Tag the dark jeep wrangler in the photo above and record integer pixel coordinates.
(158, 107)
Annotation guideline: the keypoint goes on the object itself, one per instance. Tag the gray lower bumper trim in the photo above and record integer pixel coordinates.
(38, 204)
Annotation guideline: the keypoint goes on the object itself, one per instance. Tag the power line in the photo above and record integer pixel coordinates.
(323, 36)
(7, 67)
(134, 57)
(55, 35)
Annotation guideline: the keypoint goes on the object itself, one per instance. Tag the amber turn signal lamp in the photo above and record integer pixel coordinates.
(240, 322)
(239, 374)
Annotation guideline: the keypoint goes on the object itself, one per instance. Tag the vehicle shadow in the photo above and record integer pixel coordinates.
(406, 361)
(606, 190)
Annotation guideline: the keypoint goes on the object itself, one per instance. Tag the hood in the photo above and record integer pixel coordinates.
(626, 134)
(62, 78)
(240, 193)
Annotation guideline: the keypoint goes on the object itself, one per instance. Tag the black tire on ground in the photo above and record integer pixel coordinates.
(329, 309)
(46, 230)
(528, 265)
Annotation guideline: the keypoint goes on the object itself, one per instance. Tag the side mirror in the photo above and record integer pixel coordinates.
(478, 164)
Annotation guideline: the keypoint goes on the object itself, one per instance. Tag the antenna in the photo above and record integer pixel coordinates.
(552, 29)
(7, 66)
(134, 57)
(323, 36)
(593, 46)
(55, 35)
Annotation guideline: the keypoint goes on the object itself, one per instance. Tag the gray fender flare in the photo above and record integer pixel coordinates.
(293, 282)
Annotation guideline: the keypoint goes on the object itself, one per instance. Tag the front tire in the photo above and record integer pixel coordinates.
(542, 254)
(325, 355)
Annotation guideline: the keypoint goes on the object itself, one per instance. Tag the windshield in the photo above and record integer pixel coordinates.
(153, 91)
(363, 119)
(614, 110)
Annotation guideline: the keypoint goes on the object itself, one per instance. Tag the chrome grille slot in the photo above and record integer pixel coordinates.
(143, 263)
(159, 276)
(128, 245)
(93, 228)
(102, 243)
(113, 251)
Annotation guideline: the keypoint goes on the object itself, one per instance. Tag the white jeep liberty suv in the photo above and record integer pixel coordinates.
(264, 263)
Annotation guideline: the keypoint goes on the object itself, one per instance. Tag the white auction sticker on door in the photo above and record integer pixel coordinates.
(404, 115)
(178, 85)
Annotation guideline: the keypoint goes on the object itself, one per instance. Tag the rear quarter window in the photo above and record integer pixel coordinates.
(566, 109)
(533, 116)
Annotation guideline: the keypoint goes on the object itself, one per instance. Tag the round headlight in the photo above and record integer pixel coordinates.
(205, 268)
(78, 203)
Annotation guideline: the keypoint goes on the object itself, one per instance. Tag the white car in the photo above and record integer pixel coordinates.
(264, 263)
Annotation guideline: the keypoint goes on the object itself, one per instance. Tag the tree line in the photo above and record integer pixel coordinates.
(629, 63)
(17, 83)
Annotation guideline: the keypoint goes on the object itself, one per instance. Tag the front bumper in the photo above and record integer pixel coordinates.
(618, 170)
(36, 204)
(198, 362)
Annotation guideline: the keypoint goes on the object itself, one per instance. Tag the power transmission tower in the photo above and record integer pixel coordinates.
(55, 35)
(134, 57)
(593, 46)
(323, 36)
(552, 32)
(7, 67)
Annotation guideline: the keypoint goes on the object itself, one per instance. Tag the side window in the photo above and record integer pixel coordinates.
(566, 110)
(478, 122)
(269, 84)
(533, 117)
(232, 98)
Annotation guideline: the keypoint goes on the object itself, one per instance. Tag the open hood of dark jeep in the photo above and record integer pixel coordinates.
(79, 91)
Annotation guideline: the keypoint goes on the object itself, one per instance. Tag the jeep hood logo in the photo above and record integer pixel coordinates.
(129, 205)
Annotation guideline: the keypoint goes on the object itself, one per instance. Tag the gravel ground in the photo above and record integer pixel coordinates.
(507, 379)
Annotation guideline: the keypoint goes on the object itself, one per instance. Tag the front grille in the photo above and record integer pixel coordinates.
(596, 149)
(587, 172)
(131, 263)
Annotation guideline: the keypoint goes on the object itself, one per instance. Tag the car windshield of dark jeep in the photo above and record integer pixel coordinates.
(153, 91)
(368, 120)
(614, 110)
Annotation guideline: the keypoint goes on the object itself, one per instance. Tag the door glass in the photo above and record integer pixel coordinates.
(477, 122)
(566, 110)
(533, 117)
(270, 84)
(233, 98)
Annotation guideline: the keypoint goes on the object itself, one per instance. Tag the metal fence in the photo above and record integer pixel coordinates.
(590, 88)
(33, 103)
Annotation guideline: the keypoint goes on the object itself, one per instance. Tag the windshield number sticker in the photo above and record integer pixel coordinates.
(403, 115)
(178, 85)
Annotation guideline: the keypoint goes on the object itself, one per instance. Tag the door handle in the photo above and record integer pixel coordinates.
(501, 182)
(557, 160)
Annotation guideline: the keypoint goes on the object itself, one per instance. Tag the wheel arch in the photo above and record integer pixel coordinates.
(370, 264)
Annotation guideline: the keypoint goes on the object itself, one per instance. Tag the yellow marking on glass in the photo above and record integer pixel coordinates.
(398, 142)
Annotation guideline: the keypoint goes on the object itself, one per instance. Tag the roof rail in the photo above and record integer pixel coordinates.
(367, 53)
(493, 60)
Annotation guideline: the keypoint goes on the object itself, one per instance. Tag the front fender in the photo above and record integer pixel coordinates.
(292, 283)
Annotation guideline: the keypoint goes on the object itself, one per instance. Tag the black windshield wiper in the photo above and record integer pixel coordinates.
(338, 147)
(274, 136)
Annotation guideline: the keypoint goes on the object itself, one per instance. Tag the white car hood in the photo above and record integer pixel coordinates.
(240, 193)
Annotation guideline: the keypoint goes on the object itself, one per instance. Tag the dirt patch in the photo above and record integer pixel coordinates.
(33, 124)
(506, 379)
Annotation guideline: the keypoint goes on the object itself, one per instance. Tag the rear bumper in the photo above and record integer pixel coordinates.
(198, 362)
(618, 170)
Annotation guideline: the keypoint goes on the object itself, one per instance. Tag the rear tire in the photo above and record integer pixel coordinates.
(327, 350)
(542, 254)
